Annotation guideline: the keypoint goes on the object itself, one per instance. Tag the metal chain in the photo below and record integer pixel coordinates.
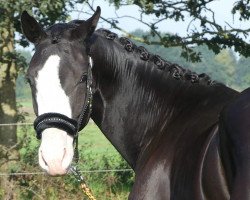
(86, 190)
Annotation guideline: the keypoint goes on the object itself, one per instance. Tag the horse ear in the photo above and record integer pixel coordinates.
(86, 28)
(92, 22)
(31, 28)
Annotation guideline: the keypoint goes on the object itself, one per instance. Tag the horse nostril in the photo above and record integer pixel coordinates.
(64, 153)
(44, 159)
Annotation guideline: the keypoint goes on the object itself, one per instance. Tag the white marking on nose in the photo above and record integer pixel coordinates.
(56, 149)
(50, 95)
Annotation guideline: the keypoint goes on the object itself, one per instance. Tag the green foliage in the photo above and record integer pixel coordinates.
(96, 153)
(242, 76)
(211, 33)
(242, 7)
(22, 88)
(222, 67)
(1, 193)
(46, 11)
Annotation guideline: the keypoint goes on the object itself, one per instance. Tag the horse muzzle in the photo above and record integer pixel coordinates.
(56, 151)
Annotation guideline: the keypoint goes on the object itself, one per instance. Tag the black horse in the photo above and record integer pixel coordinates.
(185, 136)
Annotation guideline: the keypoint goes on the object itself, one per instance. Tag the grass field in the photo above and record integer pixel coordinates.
(95, 140)
(96, 153)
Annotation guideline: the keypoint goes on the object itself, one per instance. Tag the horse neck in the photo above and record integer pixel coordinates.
(125, 116)
(133, 103)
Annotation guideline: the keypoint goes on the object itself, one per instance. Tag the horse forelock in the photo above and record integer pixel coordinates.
(57, 31)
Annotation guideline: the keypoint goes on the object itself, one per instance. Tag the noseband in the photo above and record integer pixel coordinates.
(60, 121)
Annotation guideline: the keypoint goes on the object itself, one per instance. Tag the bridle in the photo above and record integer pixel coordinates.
(71, 126)
(60, 121)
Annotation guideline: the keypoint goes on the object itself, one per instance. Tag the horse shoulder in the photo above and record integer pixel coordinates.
(152, 181)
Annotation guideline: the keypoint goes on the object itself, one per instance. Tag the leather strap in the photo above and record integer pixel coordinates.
(55, 120)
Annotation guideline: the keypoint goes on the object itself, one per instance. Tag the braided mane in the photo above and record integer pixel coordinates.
(176, 71)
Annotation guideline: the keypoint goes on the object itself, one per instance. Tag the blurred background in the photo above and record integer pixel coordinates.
(210, 36)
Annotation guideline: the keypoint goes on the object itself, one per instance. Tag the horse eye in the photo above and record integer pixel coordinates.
(83, 78)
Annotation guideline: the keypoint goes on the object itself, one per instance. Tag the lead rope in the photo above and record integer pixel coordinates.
(86, 190)
(73, 169)
(77, 174)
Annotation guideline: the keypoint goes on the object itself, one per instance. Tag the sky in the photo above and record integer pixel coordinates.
(221, 8)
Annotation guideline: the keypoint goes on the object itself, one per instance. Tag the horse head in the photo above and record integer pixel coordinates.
(58, 74)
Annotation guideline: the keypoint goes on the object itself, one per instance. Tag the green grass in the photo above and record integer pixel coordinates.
(26, 109)
(91, 141)
(90, 136)
(96, 141)
(26, 103)
(96, 153)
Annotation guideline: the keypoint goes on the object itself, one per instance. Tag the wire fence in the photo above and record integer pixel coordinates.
(18, 124)
(44, 173)
(82, 171)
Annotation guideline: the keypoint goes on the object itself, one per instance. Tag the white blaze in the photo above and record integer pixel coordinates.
(50, 95)
(56, 149)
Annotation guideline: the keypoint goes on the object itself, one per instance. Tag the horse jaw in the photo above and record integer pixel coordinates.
(56, 151)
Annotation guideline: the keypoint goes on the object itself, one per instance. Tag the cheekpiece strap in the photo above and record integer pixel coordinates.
(55, 120)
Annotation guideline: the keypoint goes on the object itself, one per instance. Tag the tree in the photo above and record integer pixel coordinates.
(242, 72)
(221, 67)
(203, 28)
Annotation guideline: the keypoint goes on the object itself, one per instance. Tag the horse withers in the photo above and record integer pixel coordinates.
(185, 136)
